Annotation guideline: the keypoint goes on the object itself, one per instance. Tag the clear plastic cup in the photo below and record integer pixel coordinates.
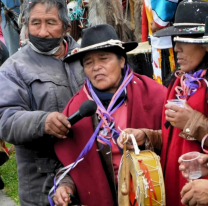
(193, 167)
(177, 102)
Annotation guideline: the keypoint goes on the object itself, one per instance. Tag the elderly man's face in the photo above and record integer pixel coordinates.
(189, 56)
(45, 24)
(103, 69)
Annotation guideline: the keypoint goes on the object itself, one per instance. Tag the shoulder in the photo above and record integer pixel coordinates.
(75, 102)
(148, 88)
(149, 83)
(72, 44)
(18, 62)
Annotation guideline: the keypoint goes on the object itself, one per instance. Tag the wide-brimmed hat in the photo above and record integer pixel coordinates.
(100, 37)
(199, 40)
(189, 19)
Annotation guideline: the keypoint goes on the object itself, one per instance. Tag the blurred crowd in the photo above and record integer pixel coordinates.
(46, 75)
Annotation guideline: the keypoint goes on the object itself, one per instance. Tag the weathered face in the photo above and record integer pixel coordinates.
(103, 69)
(189, 56)
(45, 24)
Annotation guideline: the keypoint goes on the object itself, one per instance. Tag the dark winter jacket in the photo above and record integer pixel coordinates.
(31, 86)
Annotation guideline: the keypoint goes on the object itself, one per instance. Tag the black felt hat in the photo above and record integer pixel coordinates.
(100, 37)
(199, 40)
(189, 19)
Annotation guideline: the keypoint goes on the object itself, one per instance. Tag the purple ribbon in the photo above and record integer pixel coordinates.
(191, 81)
(94, 136)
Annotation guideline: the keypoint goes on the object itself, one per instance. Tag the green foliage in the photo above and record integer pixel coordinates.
(8, 173)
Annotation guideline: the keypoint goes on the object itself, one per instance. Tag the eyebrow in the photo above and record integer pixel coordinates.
(37, 19)
(85, 59)
(54, 20)
(102, 54)
(34, 19)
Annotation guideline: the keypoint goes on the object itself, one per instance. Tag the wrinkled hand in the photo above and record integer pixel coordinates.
(138, 134)
(203, 160)
(61, 197)
(57, 124)
(180, 116)
(195, 193)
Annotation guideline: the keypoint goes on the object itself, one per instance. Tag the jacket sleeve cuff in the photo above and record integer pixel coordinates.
(196, 128)
(153, 139)
(40, 124)
(66, 181)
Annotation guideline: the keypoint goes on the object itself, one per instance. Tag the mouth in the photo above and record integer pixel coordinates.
(180, 60)
(99, 76)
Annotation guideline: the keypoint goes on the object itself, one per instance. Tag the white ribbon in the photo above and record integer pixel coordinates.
(188, 24)
(112, 42)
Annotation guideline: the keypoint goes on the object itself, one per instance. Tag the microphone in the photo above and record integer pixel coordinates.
(87, 109)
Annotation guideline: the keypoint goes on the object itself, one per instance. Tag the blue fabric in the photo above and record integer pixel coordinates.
(10, 4)
(11, 37)
(160, 6)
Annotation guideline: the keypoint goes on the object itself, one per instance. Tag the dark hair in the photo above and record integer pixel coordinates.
(61, 5)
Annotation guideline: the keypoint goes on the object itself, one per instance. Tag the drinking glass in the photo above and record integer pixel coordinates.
(177, 102)
(192, 166)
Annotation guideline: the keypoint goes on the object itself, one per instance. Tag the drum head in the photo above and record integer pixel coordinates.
(137, 181)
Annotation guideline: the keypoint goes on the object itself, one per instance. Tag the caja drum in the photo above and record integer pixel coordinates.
(144, 180)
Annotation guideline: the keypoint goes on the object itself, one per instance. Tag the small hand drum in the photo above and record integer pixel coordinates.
(144, 180)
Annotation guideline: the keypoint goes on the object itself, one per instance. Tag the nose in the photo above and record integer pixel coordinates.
(177, 47)
(96, 65)
(43, 33)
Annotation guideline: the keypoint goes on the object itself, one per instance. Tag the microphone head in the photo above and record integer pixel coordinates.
(88, 108)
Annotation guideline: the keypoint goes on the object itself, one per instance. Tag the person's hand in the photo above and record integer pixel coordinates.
(179, 116)
(154, 27)
(195, 193)
(138, 134)
(61, 197)
(203, 160)
(57, 124)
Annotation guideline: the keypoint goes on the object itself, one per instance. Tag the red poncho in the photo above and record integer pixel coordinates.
(174, 146)
(145, 102)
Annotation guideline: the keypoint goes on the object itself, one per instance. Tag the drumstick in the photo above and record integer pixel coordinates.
(124, 190)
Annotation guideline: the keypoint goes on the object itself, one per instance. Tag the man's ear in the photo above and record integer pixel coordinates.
(68, 28)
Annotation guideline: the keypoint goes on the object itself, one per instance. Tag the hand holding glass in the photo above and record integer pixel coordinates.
(192, 165)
